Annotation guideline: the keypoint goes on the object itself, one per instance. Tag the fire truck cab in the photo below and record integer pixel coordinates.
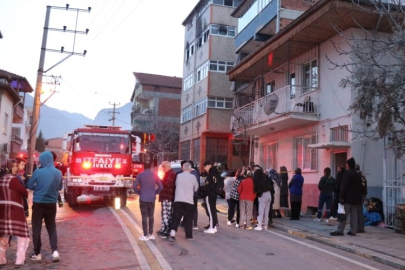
(99, 162)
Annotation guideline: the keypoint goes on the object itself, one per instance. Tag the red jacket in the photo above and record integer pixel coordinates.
(169, 185)
(246, 191)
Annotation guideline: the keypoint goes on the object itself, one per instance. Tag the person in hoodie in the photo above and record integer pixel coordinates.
(46, 184)
(210, 196)
(326, 186)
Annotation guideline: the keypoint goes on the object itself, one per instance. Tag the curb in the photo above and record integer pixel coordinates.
(360, 251)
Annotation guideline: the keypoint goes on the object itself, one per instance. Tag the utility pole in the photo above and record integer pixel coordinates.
(113, 112)
(37, 94)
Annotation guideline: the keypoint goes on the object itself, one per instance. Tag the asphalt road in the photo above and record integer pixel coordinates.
(95, 236)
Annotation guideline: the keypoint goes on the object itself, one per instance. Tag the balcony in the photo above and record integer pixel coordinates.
(296, 106)
(142, 112)
(15, 145)
(18, 115)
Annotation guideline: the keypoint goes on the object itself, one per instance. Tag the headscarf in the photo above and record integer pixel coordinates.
(275, 177)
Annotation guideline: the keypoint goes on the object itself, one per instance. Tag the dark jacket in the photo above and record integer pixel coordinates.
(296, 184)
(327, 185)
(197, 176)
(363, 183)
(284, 184)
(339, 181)
(169, 180)
(350, 188)
(209, 186)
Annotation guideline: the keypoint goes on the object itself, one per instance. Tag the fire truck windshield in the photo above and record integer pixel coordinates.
(102, 143)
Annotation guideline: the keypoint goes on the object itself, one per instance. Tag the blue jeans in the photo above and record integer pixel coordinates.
(325, 198)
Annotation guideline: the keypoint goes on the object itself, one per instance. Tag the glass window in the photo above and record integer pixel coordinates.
(200, 107)
(196, 150)
(218, 2)
(202, 72)
(292, 83)
(220, 66)
(310, 76)
(270, 156)
(221, 103)
(217, 150)
(185, 150)
(270, 87)
(186, 114)
(188, 82)
(306, 158)
(223, 30)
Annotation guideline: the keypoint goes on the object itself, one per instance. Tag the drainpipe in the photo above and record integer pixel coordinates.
(278, 16)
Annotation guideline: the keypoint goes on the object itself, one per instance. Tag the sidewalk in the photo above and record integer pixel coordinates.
(381, 245)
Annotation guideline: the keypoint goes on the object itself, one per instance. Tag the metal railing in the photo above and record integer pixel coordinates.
(18, 140)
(291, 99)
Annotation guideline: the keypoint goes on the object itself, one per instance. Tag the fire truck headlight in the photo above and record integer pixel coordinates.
(117, 166)
(74, 180)
(79, 180)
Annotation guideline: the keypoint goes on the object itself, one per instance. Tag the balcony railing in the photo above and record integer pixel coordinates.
(17, 139)
(292, 99)
(143, 110)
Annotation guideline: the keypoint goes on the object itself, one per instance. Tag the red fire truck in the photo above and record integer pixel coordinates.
(100, 162)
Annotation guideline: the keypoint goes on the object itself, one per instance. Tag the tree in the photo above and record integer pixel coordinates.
(377, 76)
(40, 143)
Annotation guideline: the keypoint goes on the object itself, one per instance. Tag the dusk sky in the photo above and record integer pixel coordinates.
(125, 36)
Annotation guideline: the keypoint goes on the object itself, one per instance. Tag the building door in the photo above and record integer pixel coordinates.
(339, 160)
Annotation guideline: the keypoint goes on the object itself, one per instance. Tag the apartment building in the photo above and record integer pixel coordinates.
(13, 115)
(290, 101)
(206, 99)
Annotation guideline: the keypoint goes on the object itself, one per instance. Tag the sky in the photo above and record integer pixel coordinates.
(125, 36)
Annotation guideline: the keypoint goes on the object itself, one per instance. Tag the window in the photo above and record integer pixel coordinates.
(220, 103)
(270, 87)
(270, 156)
(189, 51)
(202, 72)
(241, 149)
(188, 82)
(339, 134)
(5, 127)
(200, 107)
(229, 3)
(196, 150)
(223, 30)
(310, 76)
(186, 114)
(203, 8)
(306, 158)
(221, 66)
(185, 150)
(202, 38)
(217, 150)
(292, 83)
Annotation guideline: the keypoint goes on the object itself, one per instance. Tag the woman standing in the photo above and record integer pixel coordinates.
(246, 198)
(262, 188)
(295, 187)
(327, 185)
(277, 185)
(228, 184)
(12, 216)
(284, 187)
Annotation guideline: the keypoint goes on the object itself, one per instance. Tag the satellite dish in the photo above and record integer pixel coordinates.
(270, 104)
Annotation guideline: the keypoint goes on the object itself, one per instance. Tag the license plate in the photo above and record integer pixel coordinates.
(102, 188)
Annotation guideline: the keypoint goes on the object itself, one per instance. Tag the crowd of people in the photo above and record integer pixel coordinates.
(45, 182)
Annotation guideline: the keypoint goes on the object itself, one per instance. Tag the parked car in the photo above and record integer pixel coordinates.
(176, 166)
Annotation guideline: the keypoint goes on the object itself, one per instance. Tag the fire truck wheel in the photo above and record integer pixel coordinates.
(123, 197)
(71, 198)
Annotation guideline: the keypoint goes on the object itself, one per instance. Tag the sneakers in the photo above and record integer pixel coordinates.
(60, 204)
(332, 218)
(144, 238)
(36, 257)
(317, 219)
(55, 256)
(336, 233)
(171, 238)
(229, 223)
(190, 238)
(258, 228)
(151, 237)
(210, 230)
(195, 228)
(264, 227)
(236, 225)
(326, 221)
(351, 233)
(207, 227)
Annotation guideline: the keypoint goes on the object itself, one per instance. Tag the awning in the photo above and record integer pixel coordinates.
(330, 145)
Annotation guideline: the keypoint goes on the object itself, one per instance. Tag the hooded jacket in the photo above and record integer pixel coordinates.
(47, 181)
(209, 187)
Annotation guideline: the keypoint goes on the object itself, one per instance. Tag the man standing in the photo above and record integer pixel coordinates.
(166, 198)
(145, 186)
(360, 229)
(210, 196)
(46, 184)
(186, 185)
(350, 197)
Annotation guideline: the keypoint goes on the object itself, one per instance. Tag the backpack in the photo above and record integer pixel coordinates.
(219, 185)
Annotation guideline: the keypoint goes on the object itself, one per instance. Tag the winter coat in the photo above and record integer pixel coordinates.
(12, 215)
(228, 184)
(351, 187)
(246, 190)
(327, 185)
(296, 184)
(168, 182)
(234, 191)
(47, 181)
(209, 186)
(276, 204)
(284, 189)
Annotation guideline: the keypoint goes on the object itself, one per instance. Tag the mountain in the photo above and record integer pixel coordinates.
(54, 122)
